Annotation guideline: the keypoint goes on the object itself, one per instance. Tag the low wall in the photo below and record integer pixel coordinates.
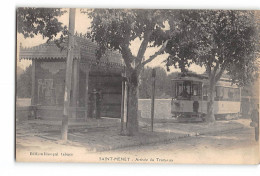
(56, 113)
(44, 112)
(23, 102)
(162, 108)
(22, 113)
(23, 109)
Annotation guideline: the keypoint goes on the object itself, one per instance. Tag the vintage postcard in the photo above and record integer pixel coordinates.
(161, 86)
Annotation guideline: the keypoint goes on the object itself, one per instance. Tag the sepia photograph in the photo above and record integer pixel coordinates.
(135, 85)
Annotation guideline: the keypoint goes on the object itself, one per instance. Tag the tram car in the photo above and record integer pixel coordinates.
(190, 98)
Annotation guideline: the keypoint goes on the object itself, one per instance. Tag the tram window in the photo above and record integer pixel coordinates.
(231, 94)
(173, 89)
(183, 89)
(234, 94)
(178, 89)
(205, 92)
(237, 94)
(186, 89)
(226, 93)
(196, 89)
(219, 92)
(187, 86)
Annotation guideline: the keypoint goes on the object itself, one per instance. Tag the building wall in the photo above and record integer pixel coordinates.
(50, 81)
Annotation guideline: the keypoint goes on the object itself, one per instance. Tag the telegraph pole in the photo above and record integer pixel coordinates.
(69, 62)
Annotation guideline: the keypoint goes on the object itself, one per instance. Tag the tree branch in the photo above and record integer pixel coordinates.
(218, 76)
(161, 50)
(143, 45)
(215, 69)
(127, 56)
(222, 69)
(209, 69)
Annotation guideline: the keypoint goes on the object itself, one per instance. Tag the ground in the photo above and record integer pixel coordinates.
(234, 147)
(99, 140)
(223, 142)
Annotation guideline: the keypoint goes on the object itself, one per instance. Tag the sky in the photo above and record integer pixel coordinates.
(82, 23)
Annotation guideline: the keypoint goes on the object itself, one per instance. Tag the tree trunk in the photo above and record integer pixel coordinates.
(132, 121)
(132, 116)
(210, 110)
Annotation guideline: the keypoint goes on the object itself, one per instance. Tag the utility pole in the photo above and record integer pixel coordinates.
(152, 101)
(124, 79)
(69, 62)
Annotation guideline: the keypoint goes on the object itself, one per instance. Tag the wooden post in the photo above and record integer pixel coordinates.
(123, 104)
(33, 102)
(75, 89)
(240, 100)
(65, 119)
(126, 103)
(86, 94)
(153, 93)
(201, 104)
(94, 115)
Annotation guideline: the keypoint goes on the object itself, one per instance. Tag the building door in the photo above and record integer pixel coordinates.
(109, 88)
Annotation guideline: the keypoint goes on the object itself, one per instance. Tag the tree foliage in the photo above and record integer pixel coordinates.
(116, 28)
(220, 40)
(44, 21)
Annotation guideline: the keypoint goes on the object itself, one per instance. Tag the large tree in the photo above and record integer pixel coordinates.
(221, 41)
(116, 29)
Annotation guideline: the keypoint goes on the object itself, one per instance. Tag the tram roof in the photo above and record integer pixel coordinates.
(203, 78)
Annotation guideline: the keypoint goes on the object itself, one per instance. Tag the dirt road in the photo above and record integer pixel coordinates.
(234, 147)
(231, 147)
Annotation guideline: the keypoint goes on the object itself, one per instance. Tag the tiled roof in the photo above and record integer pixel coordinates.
(84, 49)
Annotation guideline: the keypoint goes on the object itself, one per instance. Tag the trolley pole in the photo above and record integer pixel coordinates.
(153, 93)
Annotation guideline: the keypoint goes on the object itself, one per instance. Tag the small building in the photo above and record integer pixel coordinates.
(92, 80)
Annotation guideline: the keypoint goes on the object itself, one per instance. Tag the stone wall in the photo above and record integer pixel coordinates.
(162, 108)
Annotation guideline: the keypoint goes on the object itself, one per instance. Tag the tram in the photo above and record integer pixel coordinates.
(190, 98)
